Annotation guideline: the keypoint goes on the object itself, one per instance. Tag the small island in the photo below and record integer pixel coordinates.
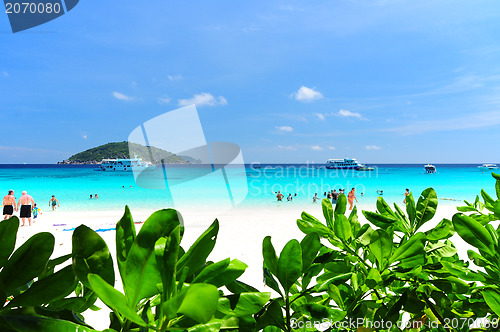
(120, 150)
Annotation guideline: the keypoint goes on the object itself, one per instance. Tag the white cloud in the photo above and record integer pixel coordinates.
(121, 96)
(373, 147)
(305, 94)
(84, 136)
(5, 74)
(347, 113)
(317, 148)
(321, 116)
(287, 147)
(174, 77)
(331, 147)
(285, 129)
(203, 99)
(164, 100)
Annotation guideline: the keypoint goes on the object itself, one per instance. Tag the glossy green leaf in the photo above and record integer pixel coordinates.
(353, 220)
(310, 245)
(487, 198)
(269, 254)
(200, 302)
(142, 275)
(91, 255)
(53, 287)
(221, 273)
(334, 293)
(243, 304)
(442, 231)
(478, 259)
(492, 298)
(384, 208)
(289, 264)
(113, 299)
(271, 282)
(125, 236)
(412, 247)
(27, 262)
(314, 226)
(379, 220)
(326, 205)
(196, 256)
(8, 233)
(168, 261)
(341, 205)
(272, 316)
(381, 247)
(373, 278)
(426, 207)
(27, 323)
(473, 233)
(496, 209)
(213, 326)
(441, 249)
(342, 227)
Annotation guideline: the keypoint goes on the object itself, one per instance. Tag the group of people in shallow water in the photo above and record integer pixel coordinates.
(26, 206)
(332, 195)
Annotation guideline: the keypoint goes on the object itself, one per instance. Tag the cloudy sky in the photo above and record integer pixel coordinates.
(289, 81)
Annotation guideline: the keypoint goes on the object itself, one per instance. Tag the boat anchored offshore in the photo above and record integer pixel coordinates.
(430, 169)
(365, 168)
(135, 164)
(487, 167)
(343, 164)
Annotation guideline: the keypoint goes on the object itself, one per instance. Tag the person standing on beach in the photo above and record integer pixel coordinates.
(9, 201)
(27, 203)
(351, 197)
(36, 211)
(407, 192)
(53, 201)
(279, 196)
(315, 198)
(335, 196)
(289, 198)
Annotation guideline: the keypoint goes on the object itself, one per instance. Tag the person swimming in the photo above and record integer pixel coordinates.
(380, 192)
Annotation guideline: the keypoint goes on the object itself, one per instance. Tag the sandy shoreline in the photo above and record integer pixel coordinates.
(240, 236)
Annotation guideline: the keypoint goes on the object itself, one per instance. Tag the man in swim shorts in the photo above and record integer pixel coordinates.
(9, 201)
(54, 202)
(27, 203)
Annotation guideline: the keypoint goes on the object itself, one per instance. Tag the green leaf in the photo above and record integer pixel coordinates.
(384, 208)
(53, 287)
(314, 226)
(473, 233)
(91, 255)
(379, 220)
(243, 304)
(353, 220)
(27, 262)
(272, 316)
(8, 234)
(327, 212)
(442, 231)
(214, 326)
(413, 247)
(113, 299)
(289, 264)
(310, 245)
(492, 298)
(125, 236)
(168, 261)
(487, 198)
(340, 207)
(142, 275)
(271, 282)
(27, 323)
(221, 273)
(478, 259)
(441, 249)
(200, 302)
(269, 254)
(373, 278)
(381, 247)
(426, 207)
(496, 209)
(334, 293)
(342, 227)
(410, 209)
(196, 256)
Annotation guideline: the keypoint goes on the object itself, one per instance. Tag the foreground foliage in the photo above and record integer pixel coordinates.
(342, 276)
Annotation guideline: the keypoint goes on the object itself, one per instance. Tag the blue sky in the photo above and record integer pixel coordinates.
(289, 81)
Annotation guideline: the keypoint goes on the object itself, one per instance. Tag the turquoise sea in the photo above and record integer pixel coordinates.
(251, 187)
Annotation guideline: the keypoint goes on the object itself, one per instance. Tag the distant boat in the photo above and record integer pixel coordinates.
(487, 167)
(343, 164)
(430, 169)
(365, 168)
(113, 165)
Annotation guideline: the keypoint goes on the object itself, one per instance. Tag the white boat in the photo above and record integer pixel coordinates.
(487, 167)
(365, 168)
(430, 168)
(343, 164)
(113, 165)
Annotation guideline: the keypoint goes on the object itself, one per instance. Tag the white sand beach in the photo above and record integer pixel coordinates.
(240, 236)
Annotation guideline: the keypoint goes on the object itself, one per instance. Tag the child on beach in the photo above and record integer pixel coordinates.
(36, 210)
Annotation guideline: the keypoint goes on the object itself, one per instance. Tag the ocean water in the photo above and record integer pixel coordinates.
(197, 185)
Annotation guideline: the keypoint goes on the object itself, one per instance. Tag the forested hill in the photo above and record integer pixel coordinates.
(121, 150)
